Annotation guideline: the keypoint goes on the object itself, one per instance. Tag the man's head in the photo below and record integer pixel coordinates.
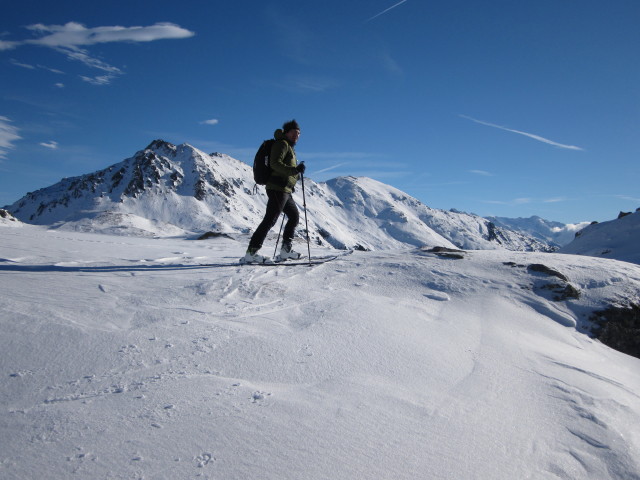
(291, 131)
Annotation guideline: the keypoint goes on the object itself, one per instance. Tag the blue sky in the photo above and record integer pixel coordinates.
(496, 107)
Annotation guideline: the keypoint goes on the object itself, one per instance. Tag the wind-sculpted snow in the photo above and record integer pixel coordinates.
(129, 357)
(166, 188)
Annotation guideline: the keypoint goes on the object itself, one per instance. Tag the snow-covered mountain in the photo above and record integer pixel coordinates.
(167, 190)
(618, 239)
(554, 233)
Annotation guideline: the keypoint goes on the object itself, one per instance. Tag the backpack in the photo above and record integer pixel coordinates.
(261, 168)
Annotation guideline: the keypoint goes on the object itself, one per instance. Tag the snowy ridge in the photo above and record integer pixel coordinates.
(124, 357)
(165, 190)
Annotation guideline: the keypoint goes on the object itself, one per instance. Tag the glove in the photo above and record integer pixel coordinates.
(301, 168)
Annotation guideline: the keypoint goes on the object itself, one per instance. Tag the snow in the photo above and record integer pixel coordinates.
(8, 220)
(618, 239)
(129, 357)
(554, 233)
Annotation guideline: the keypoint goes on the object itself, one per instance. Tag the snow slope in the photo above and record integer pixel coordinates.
(619, 239)
(125, 357)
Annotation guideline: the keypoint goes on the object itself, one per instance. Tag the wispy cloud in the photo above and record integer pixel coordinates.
(481, 172)
(213, 121)
(71, 37)
(390, 64)
(385, 10)
(515, 201)
(8, 135)
(309, 83)
(629, 198)
(530, 135)
(328, 169)
(99, 79)
(34, 67)
(53, 145)
(526, 200)
(23, 65)
(340, 155)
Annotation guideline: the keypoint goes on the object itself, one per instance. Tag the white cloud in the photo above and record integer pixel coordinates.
(8, 135)
(213, 121)
(530, 135)
(59, 85)
(52, 145)
(74, 34)
(69, 38)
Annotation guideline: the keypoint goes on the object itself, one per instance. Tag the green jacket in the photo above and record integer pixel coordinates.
(283, 162)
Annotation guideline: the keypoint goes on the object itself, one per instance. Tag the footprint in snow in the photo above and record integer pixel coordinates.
(204, 459)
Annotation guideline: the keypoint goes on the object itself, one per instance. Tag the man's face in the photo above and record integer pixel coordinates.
(293, 135)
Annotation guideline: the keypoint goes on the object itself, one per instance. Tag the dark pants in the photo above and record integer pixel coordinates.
(278, 202)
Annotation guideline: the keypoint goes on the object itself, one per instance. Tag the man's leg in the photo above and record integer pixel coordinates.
(277, 201)
(290, 209)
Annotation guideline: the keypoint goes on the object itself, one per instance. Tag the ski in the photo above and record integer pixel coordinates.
(298, 262)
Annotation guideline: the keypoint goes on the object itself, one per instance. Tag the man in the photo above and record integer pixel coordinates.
(285, 171)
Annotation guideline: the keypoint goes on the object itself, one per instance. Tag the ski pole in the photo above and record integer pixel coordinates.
(278, 239)
(306, 223)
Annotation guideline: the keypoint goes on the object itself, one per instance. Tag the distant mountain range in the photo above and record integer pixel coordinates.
(166, 190)
(554, 233)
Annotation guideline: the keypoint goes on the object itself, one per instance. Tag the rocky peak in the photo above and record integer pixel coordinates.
(161, 145)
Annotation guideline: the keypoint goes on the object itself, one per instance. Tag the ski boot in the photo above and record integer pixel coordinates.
(288, 253)
(252, 256)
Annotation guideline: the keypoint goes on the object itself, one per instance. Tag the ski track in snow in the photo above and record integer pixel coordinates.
(124, 358)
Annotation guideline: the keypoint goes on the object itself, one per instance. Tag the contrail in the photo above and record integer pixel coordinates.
(385, 11)
(530, 135)
(330, 168)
